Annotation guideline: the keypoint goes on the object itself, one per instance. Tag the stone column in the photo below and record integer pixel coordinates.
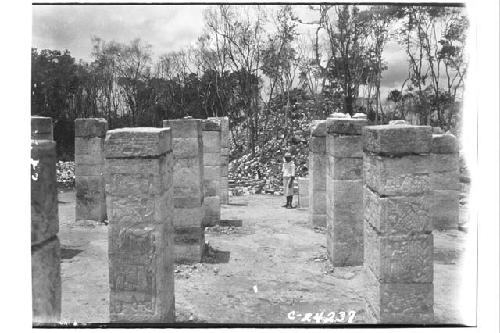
(445, 182)
(317, 174)
(89, 169)
(344, 233)
(224, 141)
(138, 174)
(398, 230)
(41, 128)
(45, 247)
(212, 171)
(188, 189)
(303, 192)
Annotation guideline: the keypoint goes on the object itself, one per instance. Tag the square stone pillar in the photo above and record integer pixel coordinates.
(224, 152)
(89, 169)
(303, 192)
(344, 232)
(41, 128)
(445, 182)
(188, 189)
(138, 174)
(318, 162)
(212, 171)
(398, 237)
(45, 247)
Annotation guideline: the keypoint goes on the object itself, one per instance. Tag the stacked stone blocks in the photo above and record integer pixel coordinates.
(303, 192)
(138, 175)
(445, 182)
(211, 129)
(318, 162)
(398, 241)
(224, 150)
(45, 246)
(89, 169)
(345, 190)
(188, 189)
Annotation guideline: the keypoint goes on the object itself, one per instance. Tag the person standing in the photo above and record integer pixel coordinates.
(288, 178)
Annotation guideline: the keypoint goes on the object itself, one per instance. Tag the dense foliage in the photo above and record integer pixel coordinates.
(252, 64)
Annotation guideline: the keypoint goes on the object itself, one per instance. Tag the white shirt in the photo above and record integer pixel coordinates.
(288, 169)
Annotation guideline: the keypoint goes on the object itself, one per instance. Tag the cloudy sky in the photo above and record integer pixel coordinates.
(165, 27)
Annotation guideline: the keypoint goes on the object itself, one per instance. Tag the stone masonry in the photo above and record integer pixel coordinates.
(45, 247)
(303, 192)
(188, 189)
(89, 169)
(317, 174)
(41, 128)
(212, 171)
(344, 232)
(138, 175)
(398, 241)
(224, 152)
(445, 182)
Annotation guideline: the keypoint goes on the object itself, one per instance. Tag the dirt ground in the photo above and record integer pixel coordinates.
(271, 269)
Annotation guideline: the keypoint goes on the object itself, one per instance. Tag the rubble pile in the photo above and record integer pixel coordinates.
(262, 173)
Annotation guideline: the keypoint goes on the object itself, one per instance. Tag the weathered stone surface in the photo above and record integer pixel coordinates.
(345, 126)
(345, 146)
(90, 198)
(212, 211)
(303, 192)
(139, 189)
(91, 127)
(212, 124)
(89, 151)
(347, 191)
(444, 162)
(445, 209)
(343, 252)
(184, 128)
(137, 142)
(444, 144)
(89, 169)
(399, 258)
(449, 180)
(44, 209)
(339, 115)
(341, 168)
(399, 303)
(212, 159)
(188, 217)
(41, 128)
(318, 220)
(211, 142)
(186, 147)
(397, 139)
(188, 253)
(399, 214)
(141, 273)
(317, 144)
(318, 128)
(403, 175)
(46, 282)
(318, 205)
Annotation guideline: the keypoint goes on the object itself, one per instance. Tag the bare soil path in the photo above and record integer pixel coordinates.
(271, 269)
